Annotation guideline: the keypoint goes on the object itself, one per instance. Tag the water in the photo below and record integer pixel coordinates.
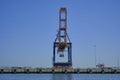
(59, 76)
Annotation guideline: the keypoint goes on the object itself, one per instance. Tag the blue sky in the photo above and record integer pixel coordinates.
(28, 29)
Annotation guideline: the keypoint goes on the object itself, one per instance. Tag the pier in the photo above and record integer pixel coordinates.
(63, 71)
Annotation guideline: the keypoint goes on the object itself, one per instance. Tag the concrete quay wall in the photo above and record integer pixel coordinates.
(51, 70)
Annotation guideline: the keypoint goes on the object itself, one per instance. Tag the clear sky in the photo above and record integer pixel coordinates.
(28, 29)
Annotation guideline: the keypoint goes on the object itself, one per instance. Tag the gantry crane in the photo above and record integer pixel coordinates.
(62, 42)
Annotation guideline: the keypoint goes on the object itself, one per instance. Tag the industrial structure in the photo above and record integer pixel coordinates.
(62, 44)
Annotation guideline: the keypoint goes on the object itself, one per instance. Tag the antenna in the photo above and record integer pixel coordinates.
(118, 61)
(95, 54)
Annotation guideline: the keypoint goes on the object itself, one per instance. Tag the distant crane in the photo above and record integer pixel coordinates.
(62, 42)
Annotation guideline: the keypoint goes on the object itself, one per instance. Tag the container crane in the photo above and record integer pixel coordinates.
(62, 42)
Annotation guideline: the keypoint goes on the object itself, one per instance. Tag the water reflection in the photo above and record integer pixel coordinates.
(61, 76)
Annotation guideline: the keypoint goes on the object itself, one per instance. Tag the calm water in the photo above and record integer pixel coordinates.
(59, 76)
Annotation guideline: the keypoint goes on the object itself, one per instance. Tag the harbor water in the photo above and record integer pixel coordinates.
(59, 76)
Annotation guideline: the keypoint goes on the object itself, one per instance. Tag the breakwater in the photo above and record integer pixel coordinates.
(51, 70)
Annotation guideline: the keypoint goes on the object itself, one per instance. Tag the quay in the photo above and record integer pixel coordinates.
(63, 71)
